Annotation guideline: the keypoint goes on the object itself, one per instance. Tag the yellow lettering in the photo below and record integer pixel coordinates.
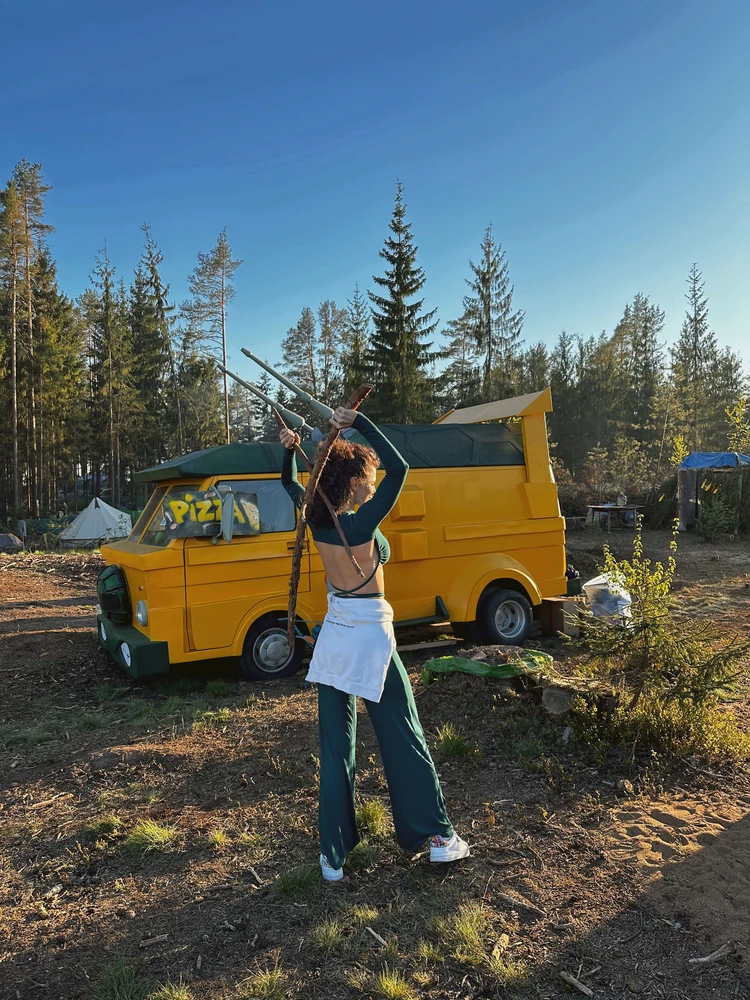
(179, 508)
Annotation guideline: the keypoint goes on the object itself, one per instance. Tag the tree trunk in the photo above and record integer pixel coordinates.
(224, 356)
(14, 389)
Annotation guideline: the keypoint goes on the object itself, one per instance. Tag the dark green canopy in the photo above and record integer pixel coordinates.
(423, 446)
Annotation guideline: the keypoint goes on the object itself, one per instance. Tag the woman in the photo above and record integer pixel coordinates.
(355, 654)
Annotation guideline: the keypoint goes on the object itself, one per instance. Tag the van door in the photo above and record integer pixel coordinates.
(223, 581)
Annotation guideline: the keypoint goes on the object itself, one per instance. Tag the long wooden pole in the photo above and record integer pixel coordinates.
(324, 449)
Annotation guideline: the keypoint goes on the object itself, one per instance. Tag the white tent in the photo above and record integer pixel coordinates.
(98, 523)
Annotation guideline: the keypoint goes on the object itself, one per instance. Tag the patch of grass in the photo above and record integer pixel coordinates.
(282, 768)
(134, 793)
(119, 981)
(390, 984)
(528, 752)
(169, 991)
(364, 855)
(142, 712)
(255, 843)
(327, 936)
(220, 689)
(428, 952)
(450, 742)
(505, 971)
(299, 883)
(106, 692)
(102, 828)
(373, 819)
(218, 839)
(147, 837)
(465, 931)
(211, 719)
(362, 914)
(87, 722)
(267, 984)
(678, 731)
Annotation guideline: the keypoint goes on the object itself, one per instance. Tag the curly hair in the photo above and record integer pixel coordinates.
(345, 469)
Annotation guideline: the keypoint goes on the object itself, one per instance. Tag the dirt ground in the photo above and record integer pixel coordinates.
(615, 870)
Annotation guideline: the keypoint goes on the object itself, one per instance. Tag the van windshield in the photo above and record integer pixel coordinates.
(149, 528)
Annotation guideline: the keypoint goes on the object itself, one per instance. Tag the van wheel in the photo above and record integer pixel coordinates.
(266, 653)
(504, 617)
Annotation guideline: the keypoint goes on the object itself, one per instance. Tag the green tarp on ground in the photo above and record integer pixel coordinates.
(531, 662)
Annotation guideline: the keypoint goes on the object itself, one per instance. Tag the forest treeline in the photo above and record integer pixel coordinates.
(96, 387)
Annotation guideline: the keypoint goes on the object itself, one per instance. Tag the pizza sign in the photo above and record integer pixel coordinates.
(193, 513)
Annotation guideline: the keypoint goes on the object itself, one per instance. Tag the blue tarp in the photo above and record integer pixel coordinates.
(714, 460)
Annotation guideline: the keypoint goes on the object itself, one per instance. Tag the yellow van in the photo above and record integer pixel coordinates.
(476, 537)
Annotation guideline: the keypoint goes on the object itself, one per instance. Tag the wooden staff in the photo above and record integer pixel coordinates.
(321, 458)
(324, 498)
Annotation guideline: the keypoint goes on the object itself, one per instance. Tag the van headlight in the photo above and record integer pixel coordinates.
(141, 613)
(125, 650)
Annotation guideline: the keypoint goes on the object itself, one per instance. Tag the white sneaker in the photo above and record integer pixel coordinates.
(448, 850)
(330, 874)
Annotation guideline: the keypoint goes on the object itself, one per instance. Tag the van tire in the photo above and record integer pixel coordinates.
(504, 617)
(263, 656)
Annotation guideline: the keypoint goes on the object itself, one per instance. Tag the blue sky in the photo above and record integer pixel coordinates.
(607, 142)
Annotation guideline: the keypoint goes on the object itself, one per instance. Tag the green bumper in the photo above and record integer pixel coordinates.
(145, 658)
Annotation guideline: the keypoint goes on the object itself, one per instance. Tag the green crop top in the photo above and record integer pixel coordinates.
(362, 525)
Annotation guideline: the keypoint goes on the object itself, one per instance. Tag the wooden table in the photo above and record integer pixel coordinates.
(609, 510)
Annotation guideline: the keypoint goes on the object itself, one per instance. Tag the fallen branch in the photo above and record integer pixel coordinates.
(576, 984)
(159, 939)
(321, 458)
(522, 903)
(377, 937)
(726, 949)
(324, 498)
(48, 802)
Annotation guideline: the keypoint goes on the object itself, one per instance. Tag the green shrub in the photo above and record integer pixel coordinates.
(658, 652)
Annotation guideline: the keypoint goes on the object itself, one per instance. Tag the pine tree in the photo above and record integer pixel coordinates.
(692, 358)
(11, 241)
(398, 356)
(211, 285)
(27, 180)
(494, 326)
(354, 341)
(60, 365)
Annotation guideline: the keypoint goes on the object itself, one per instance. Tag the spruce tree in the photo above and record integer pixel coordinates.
(355, 338)
(496, 328)
(461, 381)
(398, 357)
(535, 368)
(692, 358)
(212, 288)
(639, 329)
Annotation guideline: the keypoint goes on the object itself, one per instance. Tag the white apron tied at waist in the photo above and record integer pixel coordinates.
(354, 647)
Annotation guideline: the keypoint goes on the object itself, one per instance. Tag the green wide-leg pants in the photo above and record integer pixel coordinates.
(416, 798)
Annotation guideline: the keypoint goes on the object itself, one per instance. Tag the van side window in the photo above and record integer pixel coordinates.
(275, 508)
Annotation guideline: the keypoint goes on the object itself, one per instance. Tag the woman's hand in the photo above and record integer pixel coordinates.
(288, 438)
(343, 418)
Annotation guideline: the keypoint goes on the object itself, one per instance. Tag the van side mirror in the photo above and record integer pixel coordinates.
(227, 516)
